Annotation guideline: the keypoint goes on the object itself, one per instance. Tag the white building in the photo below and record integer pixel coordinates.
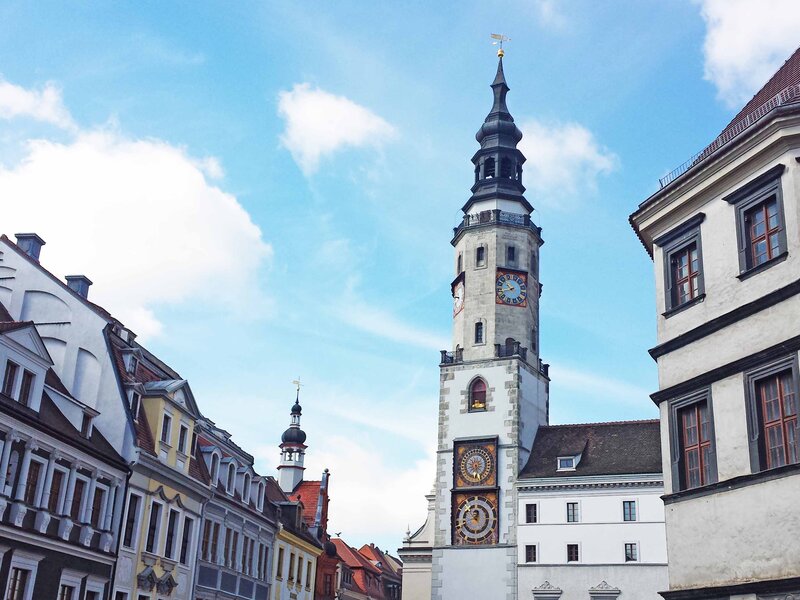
(724, 235)
(494, 399)
(591, 519)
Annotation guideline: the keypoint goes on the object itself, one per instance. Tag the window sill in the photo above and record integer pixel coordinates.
(676, 309)
(763, 266)
(732, 484)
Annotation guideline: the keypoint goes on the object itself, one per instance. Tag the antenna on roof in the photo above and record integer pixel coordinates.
(499, 38)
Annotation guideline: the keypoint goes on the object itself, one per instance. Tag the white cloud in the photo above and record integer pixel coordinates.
(140, 219)
(746, 42)
(564, 161)
(319, 123)
(44, 105)
(549, 13)
(598, 386)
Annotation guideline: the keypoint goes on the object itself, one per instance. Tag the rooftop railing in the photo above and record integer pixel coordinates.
(488, 217)
(787, 95)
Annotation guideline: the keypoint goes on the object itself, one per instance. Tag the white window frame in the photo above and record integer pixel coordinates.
(230, 486)
(566, 512)
(185, 426)
(261, 491)
(247, 481)
(635, 508)
(176, 536)
(159, 528)
(166, 443)
(62, 492)
(638, 552)
(214, 476)
(26, 561)
(73, 578)
(87, 483)
(525, 554)
(190, 546)
(138, 407)
(106, 492)
(137, 523)
(95, 584)
(127, 594)
(574, 460)
(537, 504)
(37, 494)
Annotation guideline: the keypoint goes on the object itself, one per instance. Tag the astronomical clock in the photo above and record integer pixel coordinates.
(475, 497)
(511, 288)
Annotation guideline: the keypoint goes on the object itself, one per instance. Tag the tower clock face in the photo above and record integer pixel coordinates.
(458, 298)
(476, 465)
(476, 520)
(511, 288)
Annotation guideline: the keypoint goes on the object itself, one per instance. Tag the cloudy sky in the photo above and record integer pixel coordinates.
(266, 190)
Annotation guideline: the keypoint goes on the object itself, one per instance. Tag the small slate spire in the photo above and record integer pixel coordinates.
(500, 89)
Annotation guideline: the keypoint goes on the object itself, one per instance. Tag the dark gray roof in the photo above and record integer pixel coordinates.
(624, 447)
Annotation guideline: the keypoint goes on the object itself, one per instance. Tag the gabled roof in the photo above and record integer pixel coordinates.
(352, 558)
(308, 493)
(390, 566)
(617, 448)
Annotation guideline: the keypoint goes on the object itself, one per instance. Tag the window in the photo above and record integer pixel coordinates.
(86, 425)
(279, 570)
(98, 506)
(183, 432)
(772, 415)
(760, 226)
(121, 596)
(308, 574)
(246, 555)
(214, 469)
(480, 256)
(692, 441)
(136, 400)
(133, 362)
(573, 553)
(66, 592)
(230, 548)
(506, 168)
(573, 515)
(210, 541)
(531, 513)
(153, 528)
(530, 553)
(488, 168)
(460, 266)
(477, 395)
(91, 595)
(131, 521)
(300, 570)
(327, 585)
(631, 552)
(25, 388)
(291, 566)
(18, 583)
(32, 483)
(246, 489)
(10, 378)
(186, 539)
(53, 501)
(166, 426)
(628, 510)
(683, 264)
(231, 478)
(77, 500)
(172, 526)
(511, 255)
(479, 332)
(566, 463)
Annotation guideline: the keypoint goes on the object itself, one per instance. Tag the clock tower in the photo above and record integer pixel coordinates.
(494, 387)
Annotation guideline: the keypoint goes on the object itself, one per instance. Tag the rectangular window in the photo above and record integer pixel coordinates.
(55, 491)
(530, 553)
(91, 595)
(172, 526)
(327, 585)
(566, 463)
(34, 470)
(205, 542)
(10, 378)
(300, 570)
(166, 426)
(183, 432)
(18, 583)
(98, 503)
(479, 332)
(631, 552)
(131, 521)
(291, 566)
(226, 561)
(136, 401)
(573, 554)
(696, 438)
(186, 539)
(480, 256)
(25, 388)
(573, 515)
(308, 574)
(66, 592)
(683, 263)
(628, 510)
(245, 555)
(279, 570)
(121, 596)
(77, 500)
(86, 425)
(234, 550)
(760, 225)
(153, 528)
(531, 513)
(511, 255)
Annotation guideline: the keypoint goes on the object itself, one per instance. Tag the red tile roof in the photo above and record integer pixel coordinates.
(307, 492)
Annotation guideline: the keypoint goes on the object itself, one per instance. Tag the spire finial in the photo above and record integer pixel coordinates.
(499, 38)
(298, 384)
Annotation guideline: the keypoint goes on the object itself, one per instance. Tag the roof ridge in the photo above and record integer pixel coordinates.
(628, 422)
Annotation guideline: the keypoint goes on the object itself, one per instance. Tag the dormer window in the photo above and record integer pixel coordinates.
(261, 496)
(183, 434)
(567, 463)
(214, 469)
(166, 429)
(10, 378)
(133, 362)
(231, 478)
(86, 425)
(136, 400)
(246, 489)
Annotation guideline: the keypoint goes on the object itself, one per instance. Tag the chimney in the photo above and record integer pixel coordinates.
(31, 244)
(79, 284)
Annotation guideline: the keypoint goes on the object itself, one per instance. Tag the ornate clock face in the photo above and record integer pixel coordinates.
(476, 520)
(511, 288)
(476, 465)
(458, 298)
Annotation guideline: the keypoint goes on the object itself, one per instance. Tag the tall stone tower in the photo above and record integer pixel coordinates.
(494, 388)
(293, 451)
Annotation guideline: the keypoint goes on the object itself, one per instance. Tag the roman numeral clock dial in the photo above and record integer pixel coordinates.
(511, 288)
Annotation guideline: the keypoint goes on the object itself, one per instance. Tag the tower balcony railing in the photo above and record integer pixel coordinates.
(451, 358)
(508, 350)
(500, 351)
(497, 216)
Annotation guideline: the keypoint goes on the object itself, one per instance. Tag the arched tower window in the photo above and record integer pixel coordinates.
(477, 395)
(231, 478)
(506, 168)
(479, 332)
(488, 168)
(460, 263)
(510, 346)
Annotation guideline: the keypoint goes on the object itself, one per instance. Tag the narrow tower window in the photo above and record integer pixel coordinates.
(506, 168)
(460, 264)
(477, 395)
(511, 255)
(479, 332)
(488, 168)
(480, 256)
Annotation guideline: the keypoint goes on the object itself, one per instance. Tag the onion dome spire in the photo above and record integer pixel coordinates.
(498, 163)
(295, 435)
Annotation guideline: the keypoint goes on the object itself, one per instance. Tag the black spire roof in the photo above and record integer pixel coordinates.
(498, 163)
(295, 435)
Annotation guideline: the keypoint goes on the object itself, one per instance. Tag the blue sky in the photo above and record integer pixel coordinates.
(266, 190)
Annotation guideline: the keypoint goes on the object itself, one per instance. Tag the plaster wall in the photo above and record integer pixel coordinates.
(416, 581)
(74, 332)
(639, 582)
(511, 206)
(739, 535)
(485, 573)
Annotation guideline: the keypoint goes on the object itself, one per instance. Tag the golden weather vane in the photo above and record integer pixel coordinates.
(499, 38)
(298, 384)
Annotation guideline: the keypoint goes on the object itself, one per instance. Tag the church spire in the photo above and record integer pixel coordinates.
(498, 163)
